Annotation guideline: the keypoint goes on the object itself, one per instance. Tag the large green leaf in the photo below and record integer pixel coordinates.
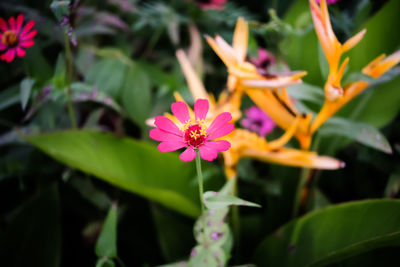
(333, 234)
(108, 76)
(33, 237)
(132, 165)
(136, 94)
(364, 133)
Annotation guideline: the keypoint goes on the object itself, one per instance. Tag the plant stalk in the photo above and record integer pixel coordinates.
(68, 63)
(305, 176)
(200, 181)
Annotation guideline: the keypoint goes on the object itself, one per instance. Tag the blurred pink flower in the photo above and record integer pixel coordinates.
(257, 121)
(211, 4)
(328, 1)
(194, 134)
(14, 38)
(264, 61)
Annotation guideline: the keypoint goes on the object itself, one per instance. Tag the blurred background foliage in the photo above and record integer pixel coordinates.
(104, 196)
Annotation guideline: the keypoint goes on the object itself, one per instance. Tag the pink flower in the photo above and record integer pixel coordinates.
(264, 61)
(257, 121)
(13, 40)
(193, 133)
(211, 4)
(328, 1)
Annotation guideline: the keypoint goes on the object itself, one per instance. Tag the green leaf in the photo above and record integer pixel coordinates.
(215, 201)
(33, 237)
(9, 97)
(105, 262)
(136, 94)
(332, 234)
(129, 164)
(393, 186)
(381, 105)
(323, 63)
(106, 245)
(60, 8)
(25, 91)
(358, 76)
(307, 92)
(108, 76)
(301, 48)
(174, 233)
(364, 133)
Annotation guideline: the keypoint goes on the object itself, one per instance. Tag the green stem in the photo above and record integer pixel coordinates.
(304, 174)
(201, 193)
(235, 220)
(68, 63)
(200, 181)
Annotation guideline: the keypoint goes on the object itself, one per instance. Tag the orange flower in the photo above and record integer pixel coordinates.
(337, 96)
(244, 76)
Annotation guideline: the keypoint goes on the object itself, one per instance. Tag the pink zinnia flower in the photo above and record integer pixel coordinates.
(264, 61)
(211, 4)
(192, 133)
(13, 40)
(257, 121)
(328, 1)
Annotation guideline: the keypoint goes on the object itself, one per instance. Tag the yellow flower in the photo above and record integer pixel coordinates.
(243, 76)
(337, 96)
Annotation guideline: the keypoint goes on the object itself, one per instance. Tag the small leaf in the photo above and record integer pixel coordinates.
(323, 63)
(307, 92)
(214, 201)
(9, 97)
(358, 76)
(60, 8)
(393, 186)
(106, 245)
(25, 91)
(105, 262)
(362, 132)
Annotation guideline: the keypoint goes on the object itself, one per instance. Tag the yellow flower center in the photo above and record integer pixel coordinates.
(195, 133)
(9, 38)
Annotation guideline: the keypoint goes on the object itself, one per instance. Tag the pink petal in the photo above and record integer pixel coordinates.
(27, 43)
(180, 110)
(2, 46)
(11, 22)
(207, 153)
(222, 131)
(9, 55)
(219, 121)
(188, 155)
(29, 35)
(3, 25)
(160, 135)
(20, 20)
(20, 52)
(167, 146)
(167, 125)
(201, 109)
(28, 27)
(220, 145)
